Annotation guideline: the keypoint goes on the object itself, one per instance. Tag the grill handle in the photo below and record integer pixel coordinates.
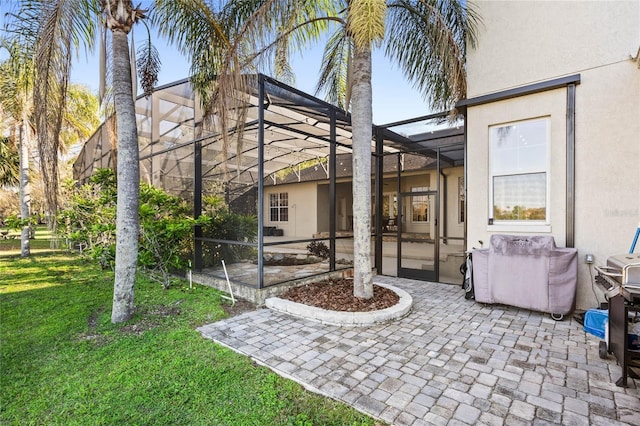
(606, 270)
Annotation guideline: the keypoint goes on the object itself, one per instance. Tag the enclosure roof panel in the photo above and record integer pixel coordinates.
(296, 129)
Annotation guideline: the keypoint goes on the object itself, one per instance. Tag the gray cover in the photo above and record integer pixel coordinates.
(527, 272)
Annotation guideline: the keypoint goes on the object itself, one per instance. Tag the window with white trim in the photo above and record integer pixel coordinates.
(519, 179)
(279, 207)
(420, 205)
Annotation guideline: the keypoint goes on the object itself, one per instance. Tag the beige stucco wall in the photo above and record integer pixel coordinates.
(524, 42)
(551, 105)
(302, 209)
(309, 205)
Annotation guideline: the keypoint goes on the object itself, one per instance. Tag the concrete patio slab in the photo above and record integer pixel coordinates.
(449, 361)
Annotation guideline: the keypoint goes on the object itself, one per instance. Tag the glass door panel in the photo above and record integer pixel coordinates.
(417, 232)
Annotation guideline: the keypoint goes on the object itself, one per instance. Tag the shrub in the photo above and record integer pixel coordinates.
(165, 231)
(229, 226)
(318, 248)
(165, 245)
(166, 227)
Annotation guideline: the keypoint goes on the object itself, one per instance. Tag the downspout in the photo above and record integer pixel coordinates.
(571, 166)
(464, 177)
(436, 251)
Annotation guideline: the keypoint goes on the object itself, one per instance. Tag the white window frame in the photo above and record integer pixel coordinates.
(517, 225)
(278, 206)
(428, 212)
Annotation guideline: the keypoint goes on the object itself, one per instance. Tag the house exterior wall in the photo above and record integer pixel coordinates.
(309, 205)
(428, 179)
(526, 42)
(303, 209)
(344, 207)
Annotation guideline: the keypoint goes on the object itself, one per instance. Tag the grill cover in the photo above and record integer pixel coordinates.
(526, 271)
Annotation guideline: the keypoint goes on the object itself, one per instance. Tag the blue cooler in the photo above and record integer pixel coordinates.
(595, 322)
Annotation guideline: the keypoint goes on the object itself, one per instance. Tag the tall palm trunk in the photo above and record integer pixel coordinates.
(25, 187)
(361, 117)
(128, 182)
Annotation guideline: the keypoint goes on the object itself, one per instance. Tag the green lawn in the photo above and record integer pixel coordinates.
(63, 362)
(40, 244)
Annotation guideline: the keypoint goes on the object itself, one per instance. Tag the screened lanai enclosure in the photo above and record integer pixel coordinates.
(279, 176)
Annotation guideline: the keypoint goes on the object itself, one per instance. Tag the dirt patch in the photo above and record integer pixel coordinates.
(151, 318)
(337, 295)
(240, 307)
(140, 327)
(92, 323)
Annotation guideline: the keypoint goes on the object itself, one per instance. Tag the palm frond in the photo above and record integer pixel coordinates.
(428, 40)
(80, 116)
(16, 79)
(148, 64)
(57, 30)
(283, 70)
(9, 163)
(334, 77)
(366, 21)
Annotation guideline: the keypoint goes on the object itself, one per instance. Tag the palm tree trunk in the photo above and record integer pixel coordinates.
(25, 187)
(128, 182)
(361, 117)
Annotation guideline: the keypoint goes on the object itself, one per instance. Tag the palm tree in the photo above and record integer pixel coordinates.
(120, 17)
(57, 29)
(16, 104)
(365, 23)
(16, 84)
(427, 39)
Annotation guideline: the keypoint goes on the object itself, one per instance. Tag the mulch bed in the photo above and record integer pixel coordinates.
(337, 295)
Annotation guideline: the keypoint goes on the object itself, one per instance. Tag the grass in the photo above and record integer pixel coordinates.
(63, 362)
(40, 244)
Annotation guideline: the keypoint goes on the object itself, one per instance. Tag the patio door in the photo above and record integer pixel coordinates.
(417, 233)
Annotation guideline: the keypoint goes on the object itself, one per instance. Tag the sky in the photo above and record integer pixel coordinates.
(394, 98)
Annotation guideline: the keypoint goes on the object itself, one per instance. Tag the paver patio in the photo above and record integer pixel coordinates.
(450, 361)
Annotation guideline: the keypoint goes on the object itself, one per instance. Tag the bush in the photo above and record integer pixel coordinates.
(165, 245)
(318, 248)
(229, 226)
(165, 231)
(166, 228)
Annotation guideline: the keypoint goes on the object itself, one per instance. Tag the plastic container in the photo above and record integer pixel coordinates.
(595, 322)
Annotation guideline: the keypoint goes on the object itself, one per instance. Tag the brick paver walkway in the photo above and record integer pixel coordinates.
(450, 361)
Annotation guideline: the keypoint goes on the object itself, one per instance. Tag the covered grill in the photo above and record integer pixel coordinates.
(528, 272)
